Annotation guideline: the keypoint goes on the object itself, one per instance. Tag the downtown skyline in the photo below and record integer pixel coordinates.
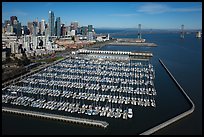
(152, 15)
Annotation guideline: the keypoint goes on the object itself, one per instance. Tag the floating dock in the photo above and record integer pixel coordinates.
(91, 122)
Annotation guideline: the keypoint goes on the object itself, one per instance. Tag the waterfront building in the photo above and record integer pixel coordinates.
(51, 23)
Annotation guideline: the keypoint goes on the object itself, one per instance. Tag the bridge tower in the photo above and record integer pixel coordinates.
(182, 31)
(139, 32)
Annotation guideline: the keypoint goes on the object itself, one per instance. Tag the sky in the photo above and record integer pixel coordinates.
(151, 15)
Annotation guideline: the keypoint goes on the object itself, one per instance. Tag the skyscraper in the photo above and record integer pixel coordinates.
(58, 27)
(51, 28)
(30, 27)
(17, 27)
(84, 30)
(90, 27)
(12, 18)
(42, 27)
(63, 29)
(34, 27)
(25, 30)
(90, 32)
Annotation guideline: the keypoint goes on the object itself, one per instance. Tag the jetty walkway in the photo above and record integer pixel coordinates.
(91, 122)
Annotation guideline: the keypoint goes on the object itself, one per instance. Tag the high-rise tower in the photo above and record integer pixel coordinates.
(42, 27)
(90, 32)
(58, 27)
(12, 18)
(51, 28)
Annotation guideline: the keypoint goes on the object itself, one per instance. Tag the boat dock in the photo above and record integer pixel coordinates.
(86, 85)
(77, 85)
(86, 51)
(91, 122)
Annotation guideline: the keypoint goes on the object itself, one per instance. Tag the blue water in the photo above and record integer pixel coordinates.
(183, 57)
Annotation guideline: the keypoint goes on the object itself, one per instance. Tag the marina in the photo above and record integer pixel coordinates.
(86, 85)
(169, 103)
(102, 68)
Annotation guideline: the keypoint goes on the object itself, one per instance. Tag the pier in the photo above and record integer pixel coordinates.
(176, 118)
(91, 122)
(86, 51)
